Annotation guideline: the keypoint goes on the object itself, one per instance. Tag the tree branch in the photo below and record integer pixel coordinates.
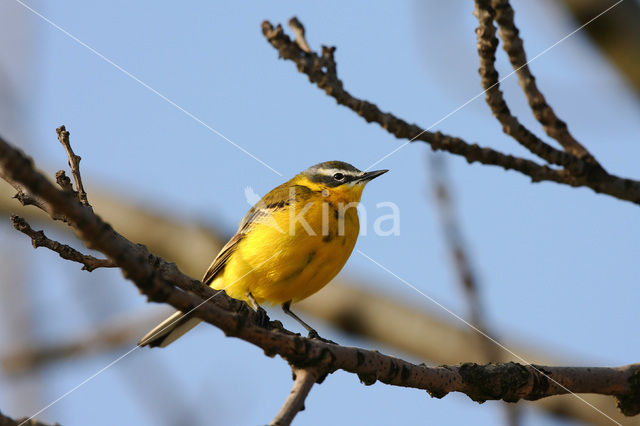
(163, 282)
(74, 164)
(298, 30)
(514, 46)
(38, 239)
(487, 44)
(322, 71)
(27, 199)
(304, 378)
(344, 304)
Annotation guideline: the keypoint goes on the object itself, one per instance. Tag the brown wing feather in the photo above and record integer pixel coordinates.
(221, 259)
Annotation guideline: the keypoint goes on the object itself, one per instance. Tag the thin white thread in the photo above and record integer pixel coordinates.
(79, 385)
(495, 84)
(145, 85)
(484, 334)
(112, 363)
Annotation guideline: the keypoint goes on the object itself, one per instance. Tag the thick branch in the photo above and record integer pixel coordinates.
(304, 378)
(163, 282)
(344, 304)
(38, 239)
(321, 70)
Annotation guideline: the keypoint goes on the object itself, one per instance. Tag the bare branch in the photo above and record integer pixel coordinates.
(455, 244)
(27, 199)
(163, 282)
(63, 181)
(321, 70)
(298, 30)
(38, 239)
(514, 46)
(487, 44)
(304, 378)
(74, 163)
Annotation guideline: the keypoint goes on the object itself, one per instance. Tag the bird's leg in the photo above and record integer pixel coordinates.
(312, 333)
(262, 317)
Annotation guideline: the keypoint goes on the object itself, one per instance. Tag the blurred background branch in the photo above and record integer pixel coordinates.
(442, 191)
(616, 33)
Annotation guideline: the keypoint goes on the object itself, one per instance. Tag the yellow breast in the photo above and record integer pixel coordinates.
(295, 252)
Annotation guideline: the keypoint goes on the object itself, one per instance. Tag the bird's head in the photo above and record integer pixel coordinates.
(337, 179)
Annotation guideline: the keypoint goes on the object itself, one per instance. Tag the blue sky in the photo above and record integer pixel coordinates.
(557, 265)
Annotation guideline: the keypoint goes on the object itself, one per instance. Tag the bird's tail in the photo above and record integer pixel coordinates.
(169, 330)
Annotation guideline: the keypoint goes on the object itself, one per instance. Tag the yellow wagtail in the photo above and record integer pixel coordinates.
(288, 246)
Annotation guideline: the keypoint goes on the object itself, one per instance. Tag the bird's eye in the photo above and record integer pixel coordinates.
(338, 176)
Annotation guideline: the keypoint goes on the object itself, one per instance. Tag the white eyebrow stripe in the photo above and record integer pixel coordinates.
(330, 172)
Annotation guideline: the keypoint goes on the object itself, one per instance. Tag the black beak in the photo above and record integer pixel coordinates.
(371, 175)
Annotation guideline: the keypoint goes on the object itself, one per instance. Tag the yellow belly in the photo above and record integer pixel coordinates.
(277, 266)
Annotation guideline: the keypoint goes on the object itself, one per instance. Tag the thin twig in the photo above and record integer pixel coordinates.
(298, 31)
(304, 378)
(514, 46)
(487, 44)
(321, 70)
(38, 239)
(27, 199)
(163, 282)
(63, 181)
(74, 163)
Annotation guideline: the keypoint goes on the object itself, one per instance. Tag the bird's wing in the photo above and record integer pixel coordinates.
(261, 212)
(221, 259)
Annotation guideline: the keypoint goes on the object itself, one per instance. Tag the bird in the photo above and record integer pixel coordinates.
(288, 246)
